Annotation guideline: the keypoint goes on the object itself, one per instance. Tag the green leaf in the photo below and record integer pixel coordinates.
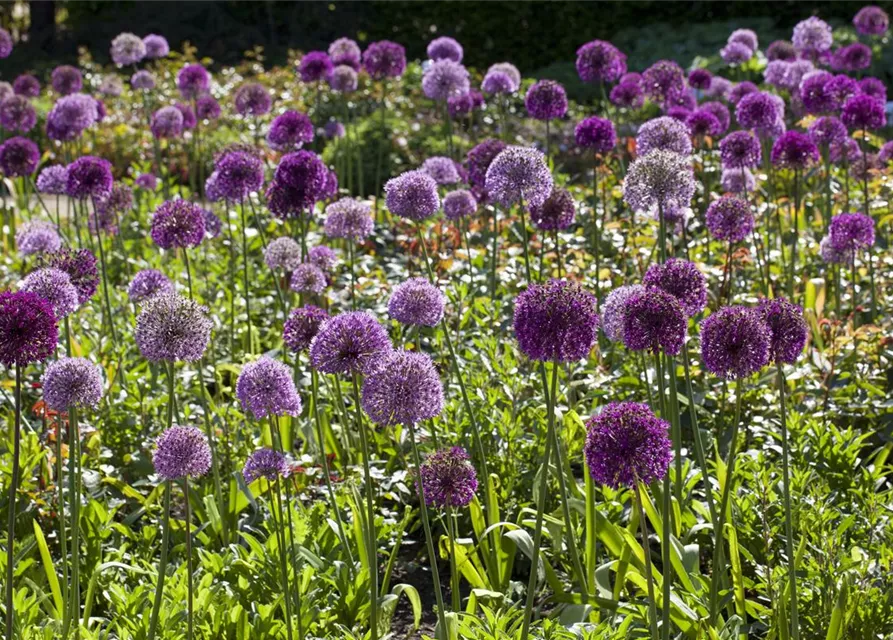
(49, 569)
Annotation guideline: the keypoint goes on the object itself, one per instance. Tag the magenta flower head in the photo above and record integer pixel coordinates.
(193, 80)
(239, 174)
(146, 182)
(333, 129)
(297, 184)
(660, 180)
(81, 269)
(628, 94)
(735, 342)
(27, 328)
(265, 463)
(167, 122)
(5, 43)
(156, 46)
(17, 114)
(794, 150)
(700, 79)
(740, 90)
(556, 321)
(405, 389)
(349, 343)
(417, 302)
(252, 99)
(282, 253)
(172, 328)
(600, 61)
(596, 134)
(850, 233)
(740, 149)
(652, 320)
(862, 112)
(66, 80)
(182, 452)
(54, 286)
(207, 108)
(479, 158)
(72, 382)
(459, 204)
(178, 224)
(625, 444)
(852, 57)
(18, 157)
(504, 78)
(787, 329)
(345, 51)
(827, 130)
(448, 479)
(682, 280)
(464, 104)
(412, 195)
(265, 388)
(614, 310)
(871, 21)
(663, 81)
(89, 177)
(729, 219)
(315, 66)
(127, 49)
(445, 48)
(546, 100)
(37, 236)
(663, 133)
(384, 59)
(308, 278)
(557, 212)
(302, 326)
(519, 174)
(349, 218)
(189, 117)
(445, 79)
(148, 283)
(344, 79)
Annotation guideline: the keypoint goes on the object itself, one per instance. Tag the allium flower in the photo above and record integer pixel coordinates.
(193, 80)
(17, 114)
(445, 48)
(448, 478)
(81, 269)
(384, 59)
(118, 201)
(302, 326)
(239, 174)
(53, 180)
(886, 153)
(663, 81)
(54, 286)
(343, 79)
(282, 253)
(519, 174)
(740, 90)
(330, 186)
(682, 280)
(442, 169)
(600, 61)
(459, 204)
(37, 236)
(831, 253)
(266, 388)
(351, 342)
(627, 94)
(72, 382)
(735, 342)
(66, 80)
(702, 122)
(412, 195)
(510, 70)
(417, 302)
(740, 149)
(556, 321)
(172, 327)
(464, 104)
(207, 108)
(479, 158)
(333, 129)
(323, 257)
(787, 329)
(874, 88)
(156, 46)
(851, 232)
(812, 37)
(871, 21)
(758, 111)
(181, 452)
(127, 49)
(736, 53)
(89, 177)
(18, 157)
(699, 78)
(345, 51)
(189, 118)
(546, 100)
(5, 43)
(297, 183)
(557, 212)
(720, 88)
(27, 328)
(720, 112)
(863, 112)
(445, 78)
(178, 224)
(70, 116)
(596, 134)
(167, 122)
(659, 180)
(308, 278)
(142, 80)
(781, 50)
(815, 94)
(252, 99)
(776, 72)
(406, 389)
(498, 82)
(26, 85)
(737, 181)
(852, 57)
(663, 133)
(349, 218)
(794, 150)
(747, 37)
(826, 130)
(679, 114)
(265, 463)
(614, 310)
(148, 283)
(146, 181)
(654, 319)
(844, 151)
(729, 219)
(315, 66)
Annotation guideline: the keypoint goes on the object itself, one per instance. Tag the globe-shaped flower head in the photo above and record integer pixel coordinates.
(556, 321)
(27, 328)
(519, 174)
(345, 51)
(629, 95)
(290, 131)
(873, 87)
(700, 78)
(812, 37)
(853, 57)
(37, 236)
(478, 160)
(297, 184)
(239, 174)
(384, 59)
(781, 50)
(445, 48)
(142, 80)
(702, 122)
(459, 204)
(302, 326)
(252, 99)
(444, 79)
(18, 157)
(54, 286)
(282, 253)
(344, 79)
(172, 328)
(207, 108)
(66, 80)
(265, 463)
(351, 342)
(498, 83)
(660, 180)
(178, 224)
(127, 49)
(760, 111)
(412, 195)
(600, 61)
(167, 123)
(850, 233)
(448, 479)
(614, 310)
(787, 329)
(89, 177)
(682, 280)
(729, 219)
(511, 80)
(735, 342)
(663, 81)
(863, 112)
(654, 319)
(596, 134)
(5, 43)
(265, 388)
(546, 100)
(664, 133)
(442, 169)
(156, 46)
(557, 212)
(406, 389)
(17, 114)
(72, 382)
(794, 150)
(315, 66)
(739, 150)
(322, 257)
(349, 218)
(735, 53)
(148, 283)
(871, 21)
(308, 278)
(193, 80)
(827, 130)
(53, 180)
(182, 452)
(81, 269)
(417, 302)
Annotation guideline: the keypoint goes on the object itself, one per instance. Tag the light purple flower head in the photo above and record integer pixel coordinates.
(315, 66)
(323, 257)
(18, 157)
(417, 302)
(664, 133)
(871, 20)
(70, 116)
(156, 46)
(844, 151)
(265, 463)
(478, 160)
(442, 169)
(299, 180)
(266, 387)
(5, 44)
(252, 99)
(740, 90)
(459, 204)
(80, 267)
(628, 94)
(519, 174)
(89, 177)
(178, 224)
(614, 310)
(167, 122)
(37, 236)
(557, 212)
(787, 329)
(333, 129)
(736, 53)
(735, 342)
(464, 104)
(66, 80)
(682, 280)
(412, 195)
(282, 253)
(343, 79)
(148, 283)
(384, 59)
(349, 218)
(729, 219)
(308, 278)
(54, 286)
(653, 320)
(663, 81)
(239, 174)
(26, 85)
(759, 111)
(146, 181)
(600, 61)
(659, 180)
(747, 37)
(182, 452)
(406, 389)
(737, 180)
(498, 82)
(556, 321)
(720, 88)
(72, 382)
(445, 48)
(546, 100)
(781, 50)
(302, 326)
(596, 133)
(17, 114)
(207, 108)
(127, 49)
(448, 479)
(444, 79)
(740, 149)
(812, 37)
(345, 51)
(851, 233)
(348, 343)
(189, 117)
(193, 80)
(172, 328)
(142, 80)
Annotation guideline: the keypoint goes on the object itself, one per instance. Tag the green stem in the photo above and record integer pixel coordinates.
(454, 573)
(666, 515)
(283, 558)
(11, 506)
(189, 569)
(371, 535)
(649, 573)
(162, 563)
(700, 453)
(245, 275)
(788, 526)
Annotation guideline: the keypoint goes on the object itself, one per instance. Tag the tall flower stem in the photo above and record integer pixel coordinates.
(666, 508)
(245, 274)
(649, 573)
(189, 569)
(494, 250)
(700, 453)
(527, 271)
(454, 572)
(353, 274)
(371, 535)
(63, 534)
(867, 204)
(11, 505)
(788, 526)
(162, 563)
(596, 230)
(283, 558)
(105, 283)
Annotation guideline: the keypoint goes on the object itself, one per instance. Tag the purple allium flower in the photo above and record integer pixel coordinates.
(776, 72)
(148, 283)
(614, 310)
(66, 80)
(297, 184)
(193, 80)
(53, 180)
(886, 153)
(445, 48)
(459, 204)
(699, 79)
(322, 257)
(72, 382)
(852, 57)
(302, 326)
(556, 321)
(172, 327)
(863, 112)
(737, 93)
(498, 82)
(826, 130)
(625, 444)
(874, 88)
(735, 342)
(330, 187)
(720, 88)
(557, 212)
(81, 269)
(146, 181)
(333, 129)
(345, 51)
(464, 104)
(663, 81)
(682, 280)
(844, 151)
(737, 180)
(600, 61)
(840, 87)
(54, 286)
(509, 70)
(282, 253)
(252, 99)
(417, 302)
(747, 37)
(18, 157)
(343, 79)
(758, 110)
(851, 232)
(181, 452)
(265, 463)
(5, 43)
(70, 116)
(26, 85)
(308, 278)
(239, 174)
(781, 50)
(815, 94)
(702, 122)
(207, 108)
(178, 224)
(736, 53)
(787, 329)
(519, 174)
(664, 133)
(871, 21)
(659, 180)
(812, 37)
(721, 112)
(442, 169)
(156, 46)
(17, 114)
(865, 166)
(89, 177)
(349, 218)
(479, 158)
(831, 253)
(627, 94)
(27, 328)
(740, 149)
(100, 110)
(546, 100)
(444, 79)
(351, 342)
(189, 118)
(412, 195)
(167, 122)
(384, 59)
(596, 134)
(142, 80)
(315, 66)
(654, 319)
(680, 114)
(127, 49)
(729, 219)
(265, 388)
(37, 236)
(213, 224)
(794, 150)
(406, 389)
(118, 201)
(448, 478)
